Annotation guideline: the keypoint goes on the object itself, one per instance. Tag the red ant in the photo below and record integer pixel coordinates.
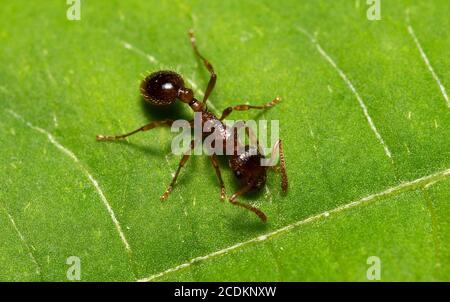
(165, 87)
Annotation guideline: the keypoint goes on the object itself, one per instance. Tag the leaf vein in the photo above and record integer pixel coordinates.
(422, 181)
(94, 182)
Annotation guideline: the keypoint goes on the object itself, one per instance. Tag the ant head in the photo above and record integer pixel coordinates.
(247, 168)
(165, 87)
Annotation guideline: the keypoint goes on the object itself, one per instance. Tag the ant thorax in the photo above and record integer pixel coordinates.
(211, 131)
(218, 138)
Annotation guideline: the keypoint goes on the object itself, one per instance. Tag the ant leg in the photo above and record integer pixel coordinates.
(181, 164)
(228, 110)
(257, 211)
(282, 165)
(219, 176)
(174, 179)
(166, 122)
(284, 179)
(208, 65)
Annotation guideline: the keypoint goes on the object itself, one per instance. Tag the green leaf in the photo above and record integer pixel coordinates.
(365, 123)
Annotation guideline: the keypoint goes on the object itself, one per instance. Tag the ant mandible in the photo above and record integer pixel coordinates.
(165, 87)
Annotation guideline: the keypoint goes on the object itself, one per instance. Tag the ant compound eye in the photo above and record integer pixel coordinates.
(161, 87)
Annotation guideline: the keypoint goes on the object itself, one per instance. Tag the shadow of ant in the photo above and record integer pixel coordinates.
(174, 111)
(148, 150)
(245, 224)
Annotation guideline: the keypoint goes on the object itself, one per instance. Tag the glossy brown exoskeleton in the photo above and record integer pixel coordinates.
(165, 87)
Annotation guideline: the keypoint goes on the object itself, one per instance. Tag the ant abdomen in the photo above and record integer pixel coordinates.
(162, 87)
